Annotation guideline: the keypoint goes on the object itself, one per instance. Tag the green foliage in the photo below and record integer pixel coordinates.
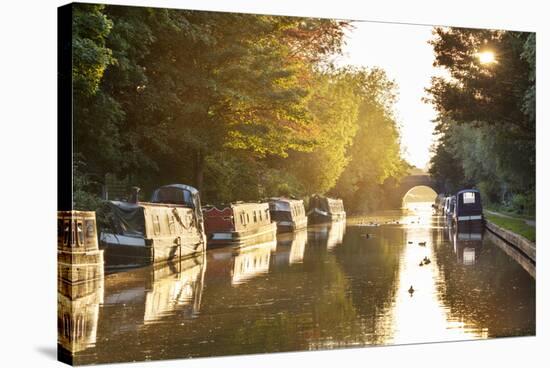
(83, 187)
(242, 107)
(334, 106)
(522, 204)
(90, 56)
(375, 152)
(486, 122)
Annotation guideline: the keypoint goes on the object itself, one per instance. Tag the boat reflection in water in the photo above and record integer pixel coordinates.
(176, 285)
(467, 243)
(333, 233)
(77, 316)
(291, 247)
(251, 261)
(148, 295)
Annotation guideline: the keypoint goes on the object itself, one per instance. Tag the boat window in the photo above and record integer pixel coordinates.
(247, 219)
(173, 196)
(260, 214)
(255, 217)
(469, 197)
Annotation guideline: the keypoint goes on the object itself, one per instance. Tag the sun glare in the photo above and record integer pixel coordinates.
(486, 57)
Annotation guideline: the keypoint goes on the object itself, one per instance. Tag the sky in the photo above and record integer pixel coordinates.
(403, 52)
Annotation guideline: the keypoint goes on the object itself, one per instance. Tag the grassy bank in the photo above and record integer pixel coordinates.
(515, 225)
(508, 212)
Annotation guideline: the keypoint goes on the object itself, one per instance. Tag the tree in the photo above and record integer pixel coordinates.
(240, 106)
(486, 113)
(375, 153)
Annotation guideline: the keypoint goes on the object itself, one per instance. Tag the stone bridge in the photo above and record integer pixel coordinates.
(411, 181)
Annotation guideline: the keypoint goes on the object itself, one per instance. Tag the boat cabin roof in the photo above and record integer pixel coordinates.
(179, 186)
(286, 205)
(236, 205)
(469, 204)
(466, 191)
(179, 194)
(289, 200)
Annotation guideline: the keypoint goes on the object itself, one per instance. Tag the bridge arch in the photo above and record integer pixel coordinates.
(411, 181)
(419, 193)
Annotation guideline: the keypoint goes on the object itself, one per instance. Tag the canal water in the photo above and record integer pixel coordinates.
(332, 286)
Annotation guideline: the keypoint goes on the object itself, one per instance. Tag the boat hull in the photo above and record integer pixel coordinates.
(149, 233)
(318, 216)
(262, 234)
(285, 226)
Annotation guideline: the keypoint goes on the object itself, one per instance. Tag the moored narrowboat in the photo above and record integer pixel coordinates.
(289, 214)
(239, 224)
(439, 203)
(325, 209)
(450, 205)
(168, 227)
(468, 206)
(445, 208)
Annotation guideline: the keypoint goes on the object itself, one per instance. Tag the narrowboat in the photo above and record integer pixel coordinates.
(450, 207)
(168, 227)
(445, 208)
(439, 203)
(238, 224)
(325, 209)
(289, 214)
(468, 206)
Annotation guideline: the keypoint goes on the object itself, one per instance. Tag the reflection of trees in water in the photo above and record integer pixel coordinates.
(494, 295)
(373, 267)
(285, 310)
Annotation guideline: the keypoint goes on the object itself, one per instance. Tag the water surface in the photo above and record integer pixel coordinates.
(338, 285)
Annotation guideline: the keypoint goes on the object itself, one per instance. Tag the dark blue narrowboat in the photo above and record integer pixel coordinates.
(468, 206)
(325, 209)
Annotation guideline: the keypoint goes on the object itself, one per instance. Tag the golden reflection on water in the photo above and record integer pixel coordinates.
(252, 261)
(174, 286)
(326, 287)
(421, 316)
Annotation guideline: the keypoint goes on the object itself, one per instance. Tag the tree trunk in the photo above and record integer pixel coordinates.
(199, 170)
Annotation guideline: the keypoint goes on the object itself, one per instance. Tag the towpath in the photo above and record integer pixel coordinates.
(529, 222)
